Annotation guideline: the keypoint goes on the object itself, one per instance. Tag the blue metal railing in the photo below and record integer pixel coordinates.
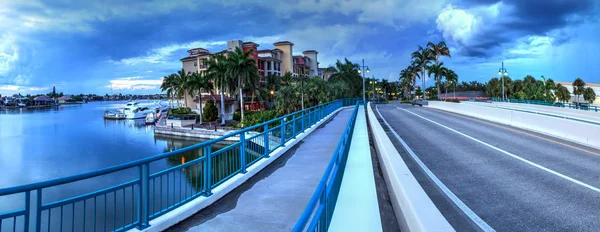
(317, 214)
(547, 103)
(146, 195)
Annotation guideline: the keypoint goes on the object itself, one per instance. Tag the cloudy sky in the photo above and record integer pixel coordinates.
(89, 46)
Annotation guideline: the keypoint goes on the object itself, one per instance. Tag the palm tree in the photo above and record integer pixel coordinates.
(272, 84)
(301, 77)
(438, 50)
(243, 68)
(421, 60)
(438, 70)
(196, 83)
(451, 79)
(384, 86)
(347, 72)
(287, 79)
(182, 80)
(589, 95)
(406, 80)
(562, 93)
(169, 85)
(578, 87)
(217, 72)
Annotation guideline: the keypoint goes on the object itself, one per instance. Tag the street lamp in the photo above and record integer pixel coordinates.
(363, 77)
(502, 72)
(373, 82)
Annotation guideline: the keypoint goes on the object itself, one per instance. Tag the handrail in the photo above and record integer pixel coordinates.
(547, 103)
(137, 186)
(320, 200)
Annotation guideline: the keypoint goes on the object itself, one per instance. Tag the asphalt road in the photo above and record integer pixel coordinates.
(515, 180)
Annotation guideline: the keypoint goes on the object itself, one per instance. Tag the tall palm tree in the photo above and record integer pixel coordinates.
(421, 60)
(301, 78)
(451, 79)
(385, 85)
(182, 80)
(439, 49)
(217, 72)
(243, 68)
(439, 71)
(578, 87)
(169, 84)
(406, 80)
(196, 83)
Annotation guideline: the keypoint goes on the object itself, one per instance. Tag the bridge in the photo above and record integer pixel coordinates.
(347, 166)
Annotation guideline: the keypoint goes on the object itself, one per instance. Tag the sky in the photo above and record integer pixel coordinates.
(107, 46)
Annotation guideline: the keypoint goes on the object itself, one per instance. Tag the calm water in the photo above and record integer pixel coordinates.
(37, 145)
(43, 144)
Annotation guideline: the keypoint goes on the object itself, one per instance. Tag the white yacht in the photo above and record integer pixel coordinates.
(134, 110)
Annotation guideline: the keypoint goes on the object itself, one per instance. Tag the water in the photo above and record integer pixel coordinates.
(43, 144)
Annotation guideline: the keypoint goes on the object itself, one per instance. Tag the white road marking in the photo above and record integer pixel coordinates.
(511, 155)
(461, 205)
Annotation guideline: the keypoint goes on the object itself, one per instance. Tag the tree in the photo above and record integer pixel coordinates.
(169, 84)
(451, 79)
(562, 93)
(438, 70)
(589, 95)
(438, 50)
(421, 60)
(347, 72)
(182, 84)
(196, 83)
(287, 100)
(578, 87)
(243, 68)
(210, 112)
(217, 72)
(493, 88)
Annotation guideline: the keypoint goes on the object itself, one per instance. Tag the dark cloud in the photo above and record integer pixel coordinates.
(529, 18)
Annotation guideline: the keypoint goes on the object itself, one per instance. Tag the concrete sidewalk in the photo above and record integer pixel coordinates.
(274, 199)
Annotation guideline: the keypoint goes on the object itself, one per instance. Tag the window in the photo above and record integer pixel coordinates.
(195, 64)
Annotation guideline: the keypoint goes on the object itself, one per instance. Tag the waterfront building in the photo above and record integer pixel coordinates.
(43, 100)
(595, 87)
(277, 61)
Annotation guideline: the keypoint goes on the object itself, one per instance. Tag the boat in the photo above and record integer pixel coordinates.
(21, 105)
(114, 115)
(151, 118)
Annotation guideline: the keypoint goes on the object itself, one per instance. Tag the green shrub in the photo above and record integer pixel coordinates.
(237, 115)
(453, 100)
(209, 113)
(252, 118)
(180, 111)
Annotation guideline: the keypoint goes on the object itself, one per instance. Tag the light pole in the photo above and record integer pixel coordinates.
(373, 82)
(363, 78)
(502, 72)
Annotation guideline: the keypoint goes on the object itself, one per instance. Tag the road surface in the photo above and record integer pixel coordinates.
(512, 179)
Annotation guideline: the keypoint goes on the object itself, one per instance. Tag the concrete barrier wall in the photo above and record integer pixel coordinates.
(413, 208)
(579, 132)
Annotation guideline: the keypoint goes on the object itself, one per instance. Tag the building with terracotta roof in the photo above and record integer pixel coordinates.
(276, 61)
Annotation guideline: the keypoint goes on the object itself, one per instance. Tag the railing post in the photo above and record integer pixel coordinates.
(266, 143)
(143, 197)
(38, 210)
(282, 132)
(243, 151)
(207, 171)
(27, 211)
(294, 126)
(303, 118)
